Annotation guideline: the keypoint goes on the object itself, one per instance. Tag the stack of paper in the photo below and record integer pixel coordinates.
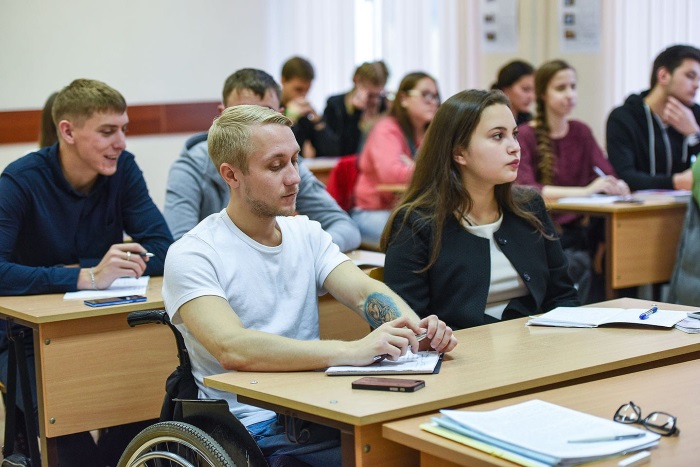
(423, 362)
(537, 433)
(120, 288)
(689, 325)
(585, 317)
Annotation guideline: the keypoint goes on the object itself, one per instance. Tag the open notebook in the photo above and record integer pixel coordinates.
(423, 362)
(585, 317)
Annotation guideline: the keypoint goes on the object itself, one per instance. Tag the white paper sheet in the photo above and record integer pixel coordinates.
(119, 288)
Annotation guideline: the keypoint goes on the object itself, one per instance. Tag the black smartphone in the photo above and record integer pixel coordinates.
(115, 300)
(695, 315)
(388, 384)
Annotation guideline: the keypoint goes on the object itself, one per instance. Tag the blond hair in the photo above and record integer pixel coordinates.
(82, 98)
(229, 135)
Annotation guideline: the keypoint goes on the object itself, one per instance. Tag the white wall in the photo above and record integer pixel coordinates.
(151, 51)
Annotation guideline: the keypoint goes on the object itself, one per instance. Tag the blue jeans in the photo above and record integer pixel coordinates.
(371, 224)
(308, 442)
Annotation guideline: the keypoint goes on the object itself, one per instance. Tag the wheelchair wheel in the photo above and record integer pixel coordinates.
(174, 444)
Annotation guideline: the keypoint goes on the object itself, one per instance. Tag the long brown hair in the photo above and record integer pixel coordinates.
(545, 152)
(398, 111)
(436, 190)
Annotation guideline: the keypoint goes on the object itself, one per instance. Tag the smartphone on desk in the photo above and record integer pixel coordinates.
(388, 384)
(115, 300)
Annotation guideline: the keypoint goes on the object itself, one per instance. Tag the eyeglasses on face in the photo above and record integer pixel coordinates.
(427, 96)
(659, 422)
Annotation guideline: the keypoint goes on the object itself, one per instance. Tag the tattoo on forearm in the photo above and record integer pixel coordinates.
(380, 308)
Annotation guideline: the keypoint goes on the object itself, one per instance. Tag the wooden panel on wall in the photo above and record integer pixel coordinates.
(22, 126)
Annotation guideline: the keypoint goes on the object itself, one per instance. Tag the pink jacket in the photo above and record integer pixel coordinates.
(382, 161)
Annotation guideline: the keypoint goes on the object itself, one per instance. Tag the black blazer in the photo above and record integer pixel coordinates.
(455, 288)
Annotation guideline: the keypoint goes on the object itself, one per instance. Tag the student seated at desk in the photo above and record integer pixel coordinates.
(517, 81)
(685, 281)
(315, 138)
(352, 115)
(195, 190)
(464, 243)
(243, 285)
(560, 157)
(64, 212)
(652, 137)
(388, 155)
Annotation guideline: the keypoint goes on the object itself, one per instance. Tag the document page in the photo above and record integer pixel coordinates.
(549, 429)
(423, 362)
(120, 288)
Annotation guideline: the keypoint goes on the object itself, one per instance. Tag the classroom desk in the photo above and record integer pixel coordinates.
(492, 361)
(93, 370)
(321, 167)
(641, 240)
(672, 389)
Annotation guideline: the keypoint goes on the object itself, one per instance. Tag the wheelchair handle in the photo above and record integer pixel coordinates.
(137, 318)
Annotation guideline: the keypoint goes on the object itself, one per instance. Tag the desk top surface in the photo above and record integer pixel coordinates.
(614, 208)
(321, 164)
(490, 361)
(670, 389)
(38, 309)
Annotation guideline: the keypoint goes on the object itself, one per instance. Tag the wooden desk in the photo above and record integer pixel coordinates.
(93, 370)
(641, 240)
(321, 167)
(670, 389)
(491, 361)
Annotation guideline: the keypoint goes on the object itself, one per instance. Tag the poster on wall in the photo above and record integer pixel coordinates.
(579, 26)
(499, 26)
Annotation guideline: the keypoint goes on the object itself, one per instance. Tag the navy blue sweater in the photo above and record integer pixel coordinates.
(45, 223)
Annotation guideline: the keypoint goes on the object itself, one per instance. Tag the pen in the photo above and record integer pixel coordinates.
(598, 171)
(649, 312)
(606, 438)
(147, 254)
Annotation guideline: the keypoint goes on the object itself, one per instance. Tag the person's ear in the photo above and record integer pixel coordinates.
(66, 130)
(663, 75)
(458, 156)
(231, 174)
(221, 108)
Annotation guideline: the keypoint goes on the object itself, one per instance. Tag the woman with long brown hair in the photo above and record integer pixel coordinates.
(387, 157)
(560, 157)
(464, 243)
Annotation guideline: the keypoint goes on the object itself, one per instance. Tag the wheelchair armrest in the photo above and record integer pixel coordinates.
(137, 318)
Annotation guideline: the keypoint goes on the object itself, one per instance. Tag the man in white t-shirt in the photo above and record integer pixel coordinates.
(242, 286)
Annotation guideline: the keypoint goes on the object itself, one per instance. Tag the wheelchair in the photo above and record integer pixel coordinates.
(191, 432)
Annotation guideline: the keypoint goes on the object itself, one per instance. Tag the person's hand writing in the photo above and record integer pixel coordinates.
(439, 335)
(121, 260)
(393, 338)
(680, 117)
(608, 185)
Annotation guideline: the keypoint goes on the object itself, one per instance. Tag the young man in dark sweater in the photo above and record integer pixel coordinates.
(652, 137)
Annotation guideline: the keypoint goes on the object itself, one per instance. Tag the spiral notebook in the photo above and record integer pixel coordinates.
(423, 362)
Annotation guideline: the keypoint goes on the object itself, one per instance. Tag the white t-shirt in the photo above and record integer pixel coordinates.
(506, 284)
(271, 289)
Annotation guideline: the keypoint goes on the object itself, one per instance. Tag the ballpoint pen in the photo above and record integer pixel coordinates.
(601, 439)
(598, 171)
(147, 254)
(649, 312)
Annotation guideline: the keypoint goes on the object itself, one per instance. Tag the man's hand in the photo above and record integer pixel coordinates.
(121, 260)
(680, 117)
(683, 180)
(439, 335)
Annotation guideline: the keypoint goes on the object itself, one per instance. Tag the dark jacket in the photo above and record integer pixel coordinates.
(631, 130)
(455, 288)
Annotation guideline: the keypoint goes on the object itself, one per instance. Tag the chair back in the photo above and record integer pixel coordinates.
(341, 181)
